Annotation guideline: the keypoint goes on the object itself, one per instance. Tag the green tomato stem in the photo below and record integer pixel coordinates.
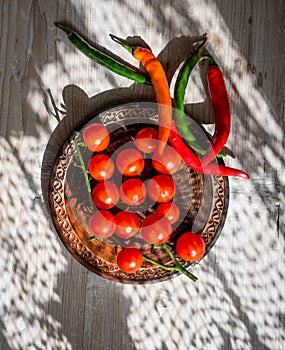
(167, 249)
(82, 166)
(177, 267)
(165, 267)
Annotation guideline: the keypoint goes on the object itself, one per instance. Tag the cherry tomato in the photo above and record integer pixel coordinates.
(105, 195)
(101, 167)
(133, 192)
(129, 259)
(168, 162)
(130, 162)
(156, 229)
(128, 224)
(170, 210)
(96, 137)
(146, 140)
(102, 224)
(161, 188)
(190, 246)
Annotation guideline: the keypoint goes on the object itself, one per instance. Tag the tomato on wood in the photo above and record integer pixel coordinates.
(161, 188)
(105, 195)
(156, 229)
(128, 224)
(190, 246)
(102, 224)
(129, 259)
(96, 137)
(146, 140)
(101, 167)
(130, 162)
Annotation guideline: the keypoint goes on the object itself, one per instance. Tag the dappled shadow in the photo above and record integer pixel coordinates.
(239, 301)
(44, 292)
(235, 305)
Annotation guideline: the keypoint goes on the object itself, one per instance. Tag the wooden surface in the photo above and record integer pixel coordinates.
(48, 300)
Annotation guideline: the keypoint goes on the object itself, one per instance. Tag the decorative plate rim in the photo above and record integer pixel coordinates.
(83, 254)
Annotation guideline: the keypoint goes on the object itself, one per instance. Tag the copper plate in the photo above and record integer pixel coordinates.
(203, 200)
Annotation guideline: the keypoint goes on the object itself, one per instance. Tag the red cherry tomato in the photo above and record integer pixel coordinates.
(96, 137)
(156, 229)
(128, 224)
(130, 162)
(170, 210)
(133, 192)
(102, 224)
(168, 162)
(101, 167)
(105, 195)
(190, 246)
(146, 140)
(161, 188)
(129, 259)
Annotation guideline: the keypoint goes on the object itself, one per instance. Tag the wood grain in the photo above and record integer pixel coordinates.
(48, 300)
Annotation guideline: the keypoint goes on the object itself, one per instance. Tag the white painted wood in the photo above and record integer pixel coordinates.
(48, 300)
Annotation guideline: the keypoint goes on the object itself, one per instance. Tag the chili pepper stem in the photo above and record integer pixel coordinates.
(62, 28)
(122, 43)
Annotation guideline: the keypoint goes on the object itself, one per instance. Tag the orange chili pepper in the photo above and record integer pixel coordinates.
(160, 85)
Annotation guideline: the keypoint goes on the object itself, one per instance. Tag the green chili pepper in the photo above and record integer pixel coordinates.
(179, 90)
(179, 93)
(103, 59)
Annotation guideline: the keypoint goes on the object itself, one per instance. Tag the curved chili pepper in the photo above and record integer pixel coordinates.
(103, 59)
(191, 159)
(160, 86)
(221, 106)
(222, 170)
(179, 91)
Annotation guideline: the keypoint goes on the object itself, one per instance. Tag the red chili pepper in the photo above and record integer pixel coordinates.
(189, 157)
(193, 161)
(222, 170)
(220, 102)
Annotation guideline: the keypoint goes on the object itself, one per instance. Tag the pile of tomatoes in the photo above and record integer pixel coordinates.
(130, 194)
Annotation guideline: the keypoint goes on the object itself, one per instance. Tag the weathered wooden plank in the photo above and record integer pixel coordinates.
(50, 301)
